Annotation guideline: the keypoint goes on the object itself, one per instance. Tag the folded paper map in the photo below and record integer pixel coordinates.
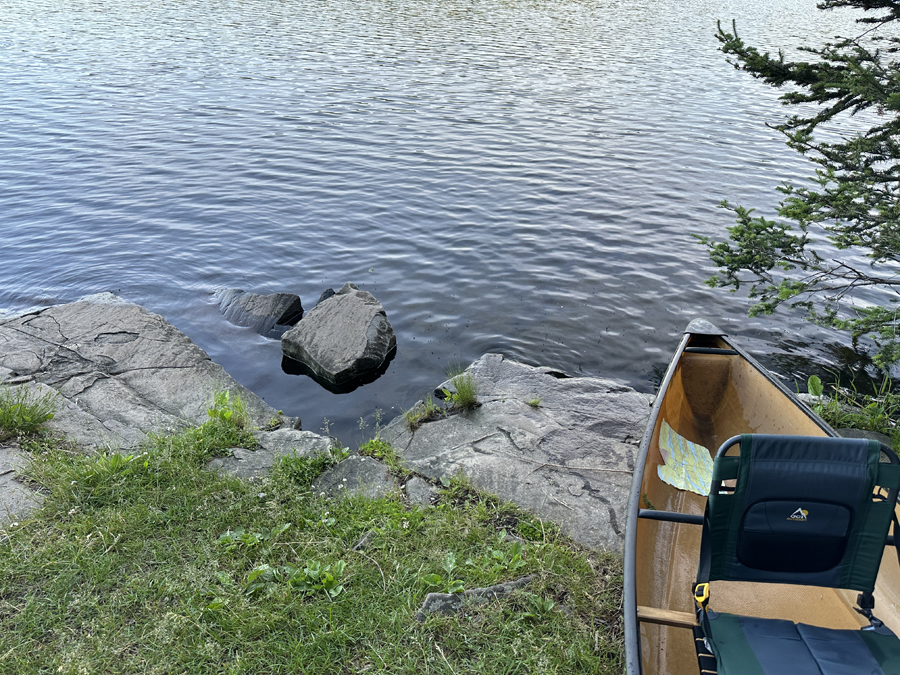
(688, 466)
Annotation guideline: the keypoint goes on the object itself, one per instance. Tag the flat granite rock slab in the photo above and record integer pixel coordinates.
(419, 491)
(122, 371)
(568, 460)
(356, 475)
(245, 463)
(16, 500)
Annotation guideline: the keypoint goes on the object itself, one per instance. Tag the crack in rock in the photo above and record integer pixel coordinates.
(613, 521)
(116, 337)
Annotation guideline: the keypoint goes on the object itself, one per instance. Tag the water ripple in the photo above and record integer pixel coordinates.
(515, 175)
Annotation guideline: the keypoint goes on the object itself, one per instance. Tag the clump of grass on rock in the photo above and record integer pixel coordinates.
(146, 562)
(424, 411)
(23, 411)
(463, 396)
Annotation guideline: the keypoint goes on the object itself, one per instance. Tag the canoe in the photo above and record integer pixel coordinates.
(711, 392)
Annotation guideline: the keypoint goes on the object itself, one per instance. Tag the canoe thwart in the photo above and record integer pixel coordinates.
(666, 617)
(710, 350)
(671, 516)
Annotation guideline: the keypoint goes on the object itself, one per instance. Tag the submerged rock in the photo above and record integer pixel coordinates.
(327, 293)
(269, 315)
(343, 338)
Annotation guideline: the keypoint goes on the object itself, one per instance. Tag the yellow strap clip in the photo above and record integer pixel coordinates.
(701, 595)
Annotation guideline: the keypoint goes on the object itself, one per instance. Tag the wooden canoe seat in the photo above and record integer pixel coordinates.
(666, 617)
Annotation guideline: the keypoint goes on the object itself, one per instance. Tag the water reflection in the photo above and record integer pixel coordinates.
(515, 177)
(292, 367)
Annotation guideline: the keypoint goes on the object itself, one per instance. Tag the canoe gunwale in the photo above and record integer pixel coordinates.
(632, 633)
(633, 663)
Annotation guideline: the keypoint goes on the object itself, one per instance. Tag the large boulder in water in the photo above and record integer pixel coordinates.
(269, 315)
(343, 338)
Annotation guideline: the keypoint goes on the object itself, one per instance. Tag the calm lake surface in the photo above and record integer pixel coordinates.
(504, 176)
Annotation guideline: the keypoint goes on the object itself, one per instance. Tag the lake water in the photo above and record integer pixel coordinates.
(508, 176)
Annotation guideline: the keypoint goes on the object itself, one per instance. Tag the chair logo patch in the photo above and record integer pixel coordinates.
(799, 514)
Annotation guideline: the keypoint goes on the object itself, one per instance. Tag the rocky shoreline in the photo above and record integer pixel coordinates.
(560, 447)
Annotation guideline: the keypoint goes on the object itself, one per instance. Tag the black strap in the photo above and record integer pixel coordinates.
(705, 565)
(701, 601)
(701, 588)
(865, 600)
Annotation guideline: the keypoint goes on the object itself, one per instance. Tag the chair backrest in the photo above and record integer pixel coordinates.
(799, 510)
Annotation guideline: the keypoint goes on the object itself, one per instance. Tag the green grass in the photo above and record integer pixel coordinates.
(848, 408)
(424, 411)
(148, 563)
(384, 451)
(465, 395)
(230, 411)
(534, 402)
(23, 412)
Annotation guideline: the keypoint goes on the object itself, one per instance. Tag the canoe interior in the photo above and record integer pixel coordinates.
(711, 398)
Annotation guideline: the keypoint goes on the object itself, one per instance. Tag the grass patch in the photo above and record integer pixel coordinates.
(146, 562)
(465, 395)
(227, 427)
(384, 451)
(300, 471)
(424, 411)
(846, 407)
(23, 411)
(534, 402)
(230, 411)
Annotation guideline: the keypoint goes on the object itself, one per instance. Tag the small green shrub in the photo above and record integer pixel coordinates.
(537, 607)
(534, 402)
(814, 386)
(308, 580)
(847, 408)
(503, 558)
(22, 412)
(455, 369)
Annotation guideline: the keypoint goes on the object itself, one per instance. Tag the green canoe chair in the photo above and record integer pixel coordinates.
(798, 510)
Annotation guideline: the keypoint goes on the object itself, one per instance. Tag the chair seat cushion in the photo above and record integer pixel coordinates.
(746, 645)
